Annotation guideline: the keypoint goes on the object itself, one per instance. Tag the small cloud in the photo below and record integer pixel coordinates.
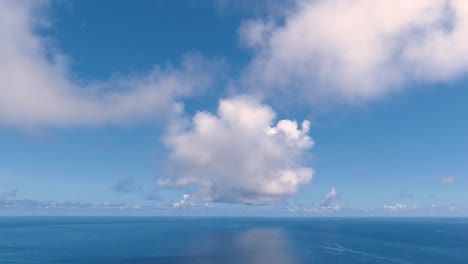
(184, 203)
(188, 203)
(332, 194)
(399, 207)
(449, 180)
(208, 205)
(154, 197)
(126, 185)
(324, 206)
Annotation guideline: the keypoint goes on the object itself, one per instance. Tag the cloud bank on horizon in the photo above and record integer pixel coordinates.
(316, 52)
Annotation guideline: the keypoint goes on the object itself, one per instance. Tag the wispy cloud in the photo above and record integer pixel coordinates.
(447, 180)
(8, 194)
(399, 207)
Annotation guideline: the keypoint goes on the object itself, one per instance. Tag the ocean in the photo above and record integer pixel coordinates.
(168, 240)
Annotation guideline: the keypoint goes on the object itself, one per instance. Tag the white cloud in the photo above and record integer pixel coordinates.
(356, 50)
(184, 203)
(447, 180)
(35, 88)
(399, 207)
(329, 196)
(325, 205)
(238, 155)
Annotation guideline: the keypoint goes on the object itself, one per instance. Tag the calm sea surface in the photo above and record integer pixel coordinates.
(232, 240)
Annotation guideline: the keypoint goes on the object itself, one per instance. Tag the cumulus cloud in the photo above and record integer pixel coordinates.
(355, 50)
(239, 155)
(36, 90)
(399, 207)
(447, 180)
(184, 203)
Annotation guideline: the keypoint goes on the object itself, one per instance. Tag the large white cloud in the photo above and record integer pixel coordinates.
(239, 155)
(35, 88)
(355, 50)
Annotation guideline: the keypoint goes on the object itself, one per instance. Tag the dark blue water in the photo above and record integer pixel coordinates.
(232, 240)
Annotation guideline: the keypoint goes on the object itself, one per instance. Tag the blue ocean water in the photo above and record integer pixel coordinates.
(168, 240)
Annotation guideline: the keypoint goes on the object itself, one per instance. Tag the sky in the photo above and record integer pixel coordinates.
(220, 107)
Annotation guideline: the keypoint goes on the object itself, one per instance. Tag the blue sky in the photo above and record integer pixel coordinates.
(183, 107)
